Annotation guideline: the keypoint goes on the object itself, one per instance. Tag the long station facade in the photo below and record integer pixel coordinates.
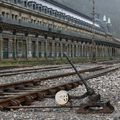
(43, 28)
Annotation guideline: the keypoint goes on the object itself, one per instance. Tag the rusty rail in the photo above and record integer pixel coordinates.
(28, 98)
(11, 67)
(7, 86)
(30, 70)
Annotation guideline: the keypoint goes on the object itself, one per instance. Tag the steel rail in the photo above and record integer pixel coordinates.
(4, 87)
(12, 67)
(28, 98)
(24, 71)
(47, 67)
(33, 70)
(34, 107)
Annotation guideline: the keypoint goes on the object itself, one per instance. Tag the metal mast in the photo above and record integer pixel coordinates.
(93, 33)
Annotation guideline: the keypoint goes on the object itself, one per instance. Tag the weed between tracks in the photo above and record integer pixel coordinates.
(47, 61)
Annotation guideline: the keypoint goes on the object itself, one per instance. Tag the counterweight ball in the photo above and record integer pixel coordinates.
(62, 97)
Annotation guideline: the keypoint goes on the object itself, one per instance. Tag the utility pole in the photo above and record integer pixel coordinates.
(93, 33)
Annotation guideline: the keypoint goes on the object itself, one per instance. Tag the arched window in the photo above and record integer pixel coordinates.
(37, 7)
(59, 14)
(71, 19)
(45, 10)
(16, 17)
(50, 11)
(19, 1)
(25, 3)
(63, 16)
(78, 21)
(7, 14)
(34, 6)
(74, 20)
(68, 18)
(56, 13)
(3, 14)
(31, 20)
(15, 1)
(40, 8)
(82, 23)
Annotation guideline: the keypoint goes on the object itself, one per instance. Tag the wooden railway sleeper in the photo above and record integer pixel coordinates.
(53, 91)
(9, 89)
(36, 83)
(20, 87)
(29, 85)
(28, 100)
(41, 95)
(60, 88)
(69, 86)
(15, 102)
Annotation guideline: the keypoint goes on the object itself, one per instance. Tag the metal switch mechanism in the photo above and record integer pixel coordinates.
(94, 103)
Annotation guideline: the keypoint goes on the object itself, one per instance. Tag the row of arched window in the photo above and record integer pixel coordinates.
(36, 7)
(44, 9)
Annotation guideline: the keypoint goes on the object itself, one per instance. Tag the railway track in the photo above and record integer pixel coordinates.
(26, 83)
(24, 93)
(33, 70)
(30, 70)
(12, 67)
(4, 71)
(109, 62)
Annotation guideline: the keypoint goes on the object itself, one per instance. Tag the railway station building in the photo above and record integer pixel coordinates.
(38, 29)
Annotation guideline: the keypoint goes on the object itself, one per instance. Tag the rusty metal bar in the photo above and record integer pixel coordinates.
(32, 107)
(81, 78)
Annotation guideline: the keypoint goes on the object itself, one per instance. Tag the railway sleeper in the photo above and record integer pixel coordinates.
(20, 87)
(41, 95)
(53, 91)
(29, 85)
(1, 91)
(36, 83)
(9, 89)
(28, 100)
(61, 88)
(69, 86)
(75, 84)
(15, 102)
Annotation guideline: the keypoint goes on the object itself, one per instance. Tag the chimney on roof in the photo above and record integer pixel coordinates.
(109, 21)
(104, 18)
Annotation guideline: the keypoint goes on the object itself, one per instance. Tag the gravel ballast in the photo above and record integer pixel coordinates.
(108, 86)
